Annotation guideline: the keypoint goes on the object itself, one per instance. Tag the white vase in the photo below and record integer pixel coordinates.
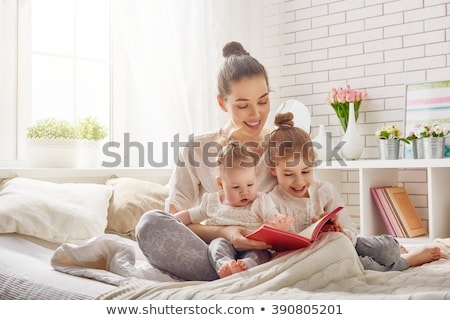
(353, 140)
(320, 143)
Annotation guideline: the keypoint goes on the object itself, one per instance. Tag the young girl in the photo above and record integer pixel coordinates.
(237, 203)
(291, 158)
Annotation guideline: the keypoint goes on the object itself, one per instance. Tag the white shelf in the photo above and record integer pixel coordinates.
(377, 173)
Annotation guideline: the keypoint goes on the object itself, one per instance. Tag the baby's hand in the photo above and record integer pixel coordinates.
(282, 222)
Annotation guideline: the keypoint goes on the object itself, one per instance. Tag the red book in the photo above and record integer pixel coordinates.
(285, 240)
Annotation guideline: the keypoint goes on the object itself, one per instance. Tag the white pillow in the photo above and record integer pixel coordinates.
(56, 212)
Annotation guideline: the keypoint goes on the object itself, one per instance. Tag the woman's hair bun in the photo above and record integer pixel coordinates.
(233, 48)
(284, 120)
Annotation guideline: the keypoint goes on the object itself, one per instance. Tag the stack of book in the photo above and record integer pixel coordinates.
(398, 213)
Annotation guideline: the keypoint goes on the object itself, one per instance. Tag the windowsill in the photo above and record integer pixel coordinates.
(100, 174)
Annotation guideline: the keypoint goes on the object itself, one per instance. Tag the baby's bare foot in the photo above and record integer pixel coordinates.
(237, 266)
(231, 267)
(422, 254)
(224, 270)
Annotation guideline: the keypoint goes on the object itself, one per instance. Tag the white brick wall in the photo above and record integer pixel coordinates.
(374, 45)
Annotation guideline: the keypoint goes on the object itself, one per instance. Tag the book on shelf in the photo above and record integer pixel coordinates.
(286, 240)
(398, 212)
(381, 204)
(386, 210)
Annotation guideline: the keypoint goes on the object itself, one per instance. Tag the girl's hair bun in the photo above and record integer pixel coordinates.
(284, 120)
(233, 48)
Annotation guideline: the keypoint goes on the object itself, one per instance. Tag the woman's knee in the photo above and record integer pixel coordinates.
(149, 221)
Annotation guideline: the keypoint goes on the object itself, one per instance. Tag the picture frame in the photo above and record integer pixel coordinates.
(425, 103)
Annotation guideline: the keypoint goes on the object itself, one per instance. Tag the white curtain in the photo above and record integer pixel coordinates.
(166, 54)
(8, 79)
(165, 61)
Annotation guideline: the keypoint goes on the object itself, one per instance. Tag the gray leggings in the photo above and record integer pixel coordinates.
(380, 253)
(172, 247)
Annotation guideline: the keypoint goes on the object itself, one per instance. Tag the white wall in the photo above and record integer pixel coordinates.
(376, 45)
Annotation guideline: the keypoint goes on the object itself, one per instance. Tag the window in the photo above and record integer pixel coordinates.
(146, 69)
(70, 59)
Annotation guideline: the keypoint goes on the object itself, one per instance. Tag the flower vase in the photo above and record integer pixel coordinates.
(388, 149)
(353, 140)
(320, 143)
(417, 147)
(433, 147)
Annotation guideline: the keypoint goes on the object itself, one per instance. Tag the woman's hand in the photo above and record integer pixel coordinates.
(236, 235)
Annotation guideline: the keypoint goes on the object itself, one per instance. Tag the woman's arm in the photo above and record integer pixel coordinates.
(184, 217)
(234, 234)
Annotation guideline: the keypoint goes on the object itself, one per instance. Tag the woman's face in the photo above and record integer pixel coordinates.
(248, 105)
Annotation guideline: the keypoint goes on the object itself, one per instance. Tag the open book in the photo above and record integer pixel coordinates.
(285, 240)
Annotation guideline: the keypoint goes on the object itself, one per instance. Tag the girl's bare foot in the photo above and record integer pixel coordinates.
(231, 267)
(422, 254)
(403, 249)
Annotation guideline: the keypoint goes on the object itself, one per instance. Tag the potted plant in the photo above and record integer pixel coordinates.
(415, 141)
(389, 138)
(52, 143)
(91, 133)
(432, 137)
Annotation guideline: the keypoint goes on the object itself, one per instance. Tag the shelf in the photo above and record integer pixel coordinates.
(377, 173)
(397, 164)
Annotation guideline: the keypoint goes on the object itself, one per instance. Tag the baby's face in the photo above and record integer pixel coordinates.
(239, 186)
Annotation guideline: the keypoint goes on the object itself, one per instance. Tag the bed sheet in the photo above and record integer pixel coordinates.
(26, 273)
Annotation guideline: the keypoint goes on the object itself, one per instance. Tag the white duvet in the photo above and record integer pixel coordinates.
(328, 269)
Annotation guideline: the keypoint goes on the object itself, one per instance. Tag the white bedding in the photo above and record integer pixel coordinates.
(328, 269)
(26, 273)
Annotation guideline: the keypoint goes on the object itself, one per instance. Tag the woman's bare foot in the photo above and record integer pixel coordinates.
(232, 267)
(422, 254)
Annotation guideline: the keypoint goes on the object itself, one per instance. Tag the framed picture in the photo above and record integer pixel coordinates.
(427, 103)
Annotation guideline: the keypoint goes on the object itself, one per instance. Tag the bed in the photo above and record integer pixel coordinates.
(45, 252)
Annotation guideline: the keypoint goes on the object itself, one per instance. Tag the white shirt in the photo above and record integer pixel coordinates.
(323, 197)
(214, 212)
(196, 173)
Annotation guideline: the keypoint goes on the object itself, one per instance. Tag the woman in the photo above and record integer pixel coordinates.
(243, 92)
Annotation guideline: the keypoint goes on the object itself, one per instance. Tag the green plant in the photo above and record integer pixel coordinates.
(390, 132)
(432, 131)
(89, 128)
(51, 128)
(340, 100)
